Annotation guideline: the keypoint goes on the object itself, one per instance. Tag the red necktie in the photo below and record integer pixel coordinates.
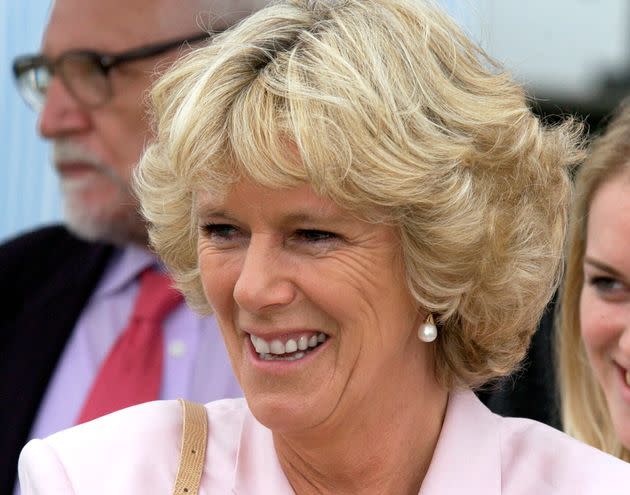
(132, 372)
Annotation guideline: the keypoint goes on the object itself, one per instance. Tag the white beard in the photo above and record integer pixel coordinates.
(116, 221)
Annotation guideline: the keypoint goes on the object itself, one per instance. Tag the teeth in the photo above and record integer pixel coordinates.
(264, 346)
(290, 346)
(273, 357)
(260, 345)
(276, 349)
(628, 377)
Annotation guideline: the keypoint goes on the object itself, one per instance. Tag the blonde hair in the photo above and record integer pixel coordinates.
(386, 108)
(585, 413)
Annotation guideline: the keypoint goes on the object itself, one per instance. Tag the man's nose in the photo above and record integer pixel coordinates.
(62, 115)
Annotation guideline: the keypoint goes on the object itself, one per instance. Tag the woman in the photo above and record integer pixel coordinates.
(376, 219)
(594, 336)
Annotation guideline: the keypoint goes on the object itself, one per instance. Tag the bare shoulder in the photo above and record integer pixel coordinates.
(537, 457)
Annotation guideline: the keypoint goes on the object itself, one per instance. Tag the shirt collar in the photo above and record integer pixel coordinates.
(123, 269)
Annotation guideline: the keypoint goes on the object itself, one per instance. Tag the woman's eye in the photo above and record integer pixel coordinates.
(606, 284)
(311, 235)
(220, 231)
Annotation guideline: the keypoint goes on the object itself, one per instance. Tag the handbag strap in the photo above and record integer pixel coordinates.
(193, 451)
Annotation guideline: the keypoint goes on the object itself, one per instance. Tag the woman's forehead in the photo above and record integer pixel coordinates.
(300, 199)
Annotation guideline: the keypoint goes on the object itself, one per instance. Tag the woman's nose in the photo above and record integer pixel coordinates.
(265, 281)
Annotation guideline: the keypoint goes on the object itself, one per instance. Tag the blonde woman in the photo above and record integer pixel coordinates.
(594, 337)
(376, 219)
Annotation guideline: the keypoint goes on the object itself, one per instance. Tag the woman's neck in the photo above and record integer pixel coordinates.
(385, 447)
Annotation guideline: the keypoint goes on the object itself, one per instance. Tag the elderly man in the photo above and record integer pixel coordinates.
(89, 322)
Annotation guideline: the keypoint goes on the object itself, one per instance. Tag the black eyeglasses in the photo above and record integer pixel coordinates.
(84, 73)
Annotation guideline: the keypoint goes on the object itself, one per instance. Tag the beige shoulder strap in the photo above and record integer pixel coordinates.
(193, 452)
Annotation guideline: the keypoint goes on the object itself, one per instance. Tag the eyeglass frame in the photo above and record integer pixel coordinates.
(104, 61)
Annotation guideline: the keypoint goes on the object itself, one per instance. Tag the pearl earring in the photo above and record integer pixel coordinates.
(428, 331)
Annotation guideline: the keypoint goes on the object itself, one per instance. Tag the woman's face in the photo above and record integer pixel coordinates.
(312, 303)
(605, 299)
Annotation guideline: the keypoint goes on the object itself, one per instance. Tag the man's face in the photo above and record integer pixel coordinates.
(95, 149)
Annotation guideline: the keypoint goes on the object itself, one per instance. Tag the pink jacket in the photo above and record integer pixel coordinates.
(478, 453)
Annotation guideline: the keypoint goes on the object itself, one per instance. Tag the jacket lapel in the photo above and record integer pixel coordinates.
(257, 467)
(51, 288)
(467, 458)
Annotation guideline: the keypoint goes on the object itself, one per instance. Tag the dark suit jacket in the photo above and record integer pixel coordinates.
(48, 276)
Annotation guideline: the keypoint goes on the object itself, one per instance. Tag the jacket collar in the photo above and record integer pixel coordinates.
(258, 469)
(467, 458)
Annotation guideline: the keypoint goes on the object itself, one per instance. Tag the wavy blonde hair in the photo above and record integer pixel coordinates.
(386, 108)
(585, 413)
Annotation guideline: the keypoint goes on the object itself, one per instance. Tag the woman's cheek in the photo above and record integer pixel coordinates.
(598, 326)
(590, 329)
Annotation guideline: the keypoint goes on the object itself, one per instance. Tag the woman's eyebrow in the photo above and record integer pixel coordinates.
(602, 266)
(307, 216)
(208, 210)
(312, 217)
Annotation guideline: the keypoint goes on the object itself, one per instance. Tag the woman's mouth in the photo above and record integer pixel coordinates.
(288, 348)
(624, 374)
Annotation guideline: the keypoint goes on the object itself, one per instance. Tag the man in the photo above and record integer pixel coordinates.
(69, 292)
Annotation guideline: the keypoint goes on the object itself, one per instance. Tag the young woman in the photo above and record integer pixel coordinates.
(594, 336)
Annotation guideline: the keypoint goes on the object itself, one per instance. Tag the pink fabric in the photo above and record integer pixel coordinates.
(132, 372)
(137, 451)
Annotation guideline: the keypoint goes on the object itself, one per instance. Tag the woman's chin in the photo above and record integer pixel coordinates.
(289, 395)
(283, 414)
